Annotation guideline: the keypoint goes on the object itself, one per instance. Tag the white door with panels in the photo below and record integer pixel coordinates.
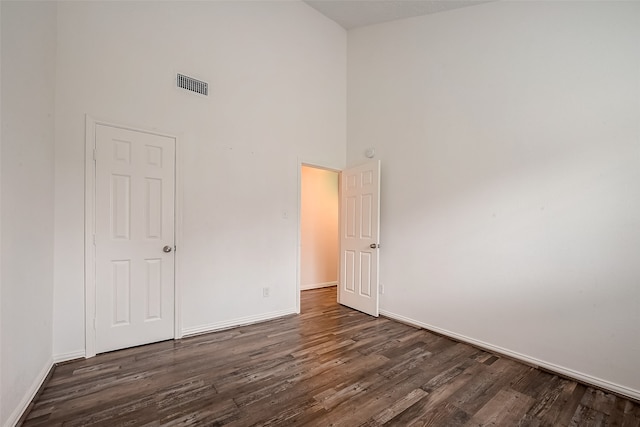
(134, 237)
(359, 232)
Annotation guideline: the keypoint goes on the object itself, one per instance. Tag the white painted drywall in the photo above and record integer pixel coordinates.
(26, 286)
(509, 135)
(318, 227)
(277, 93)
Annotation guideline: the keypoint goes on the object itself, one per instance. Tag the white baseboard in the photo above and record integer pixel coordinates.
(30, 394)
(242, 321)
(65, 357)
(561, 370)
(318, 286)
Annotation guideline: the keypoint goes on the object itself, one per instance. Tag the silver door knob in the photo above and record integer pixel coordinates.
(167, 249)
(374, 245)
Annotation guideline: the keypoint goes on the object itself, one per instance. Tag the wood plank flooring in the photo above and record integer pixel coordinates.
(329, 366)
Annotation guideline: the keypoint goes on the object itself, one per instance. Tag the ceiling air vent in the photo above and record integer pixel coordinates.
(194, 85)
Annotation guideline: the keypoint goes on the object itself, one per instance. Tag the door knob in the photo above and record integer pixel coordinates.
(374, 245)
(167, 249)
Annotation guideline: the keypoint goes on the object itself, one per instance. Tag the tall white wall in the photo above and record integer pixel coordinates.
(509, 135)
(27, 170)
(277, 94)
(318, 227)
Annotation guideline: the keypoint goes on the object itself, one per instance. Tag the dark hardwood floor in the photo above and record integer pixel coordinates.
(330, 366)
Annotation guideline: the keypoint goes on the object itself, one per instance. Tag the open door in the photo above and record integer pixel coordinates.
(359, 232)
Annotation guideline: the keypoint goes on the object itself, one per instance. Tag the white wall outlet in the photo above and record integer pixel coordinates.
(265, 292)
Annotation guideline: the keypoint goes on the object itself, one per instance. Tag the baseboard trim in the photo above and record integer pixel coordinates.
(67, 357)
(318, 286)
(241, 321)
(551, 367)
(22, 409)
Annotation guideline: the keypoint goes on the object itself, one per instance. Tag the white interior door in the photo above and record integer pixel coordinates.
(134, 238)
(359, 232)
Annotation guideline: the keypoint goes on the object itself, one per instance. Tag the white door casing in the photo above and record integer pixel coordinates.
(134, 215)
(359, 234)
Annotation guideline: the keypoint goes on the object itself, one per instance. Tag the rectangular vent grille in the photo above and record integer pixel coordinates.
(194, 85)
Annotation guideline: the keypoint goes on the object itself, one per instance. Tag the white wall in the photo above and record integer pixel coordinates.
(26, 287)
(318, 228)
(510, 144)
(277, 93)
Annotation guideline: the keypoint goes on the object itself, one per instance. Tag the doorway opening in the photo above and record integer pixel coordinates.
(319, 227)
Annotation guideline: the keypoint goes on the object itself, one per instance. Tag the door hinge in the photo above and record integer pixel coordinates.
(94, 239)
(94, 323)
(94, 155)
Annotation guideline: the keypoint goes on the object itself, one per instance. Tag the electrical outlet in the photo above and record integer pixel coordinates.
(265, 292)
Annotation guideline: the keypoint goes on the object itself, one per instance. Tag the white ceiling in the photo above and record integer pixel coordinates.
(358, 13)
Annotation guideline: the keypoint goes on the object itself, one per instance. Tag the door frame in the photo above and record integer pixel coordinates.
(89, 230)
(317, 165)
